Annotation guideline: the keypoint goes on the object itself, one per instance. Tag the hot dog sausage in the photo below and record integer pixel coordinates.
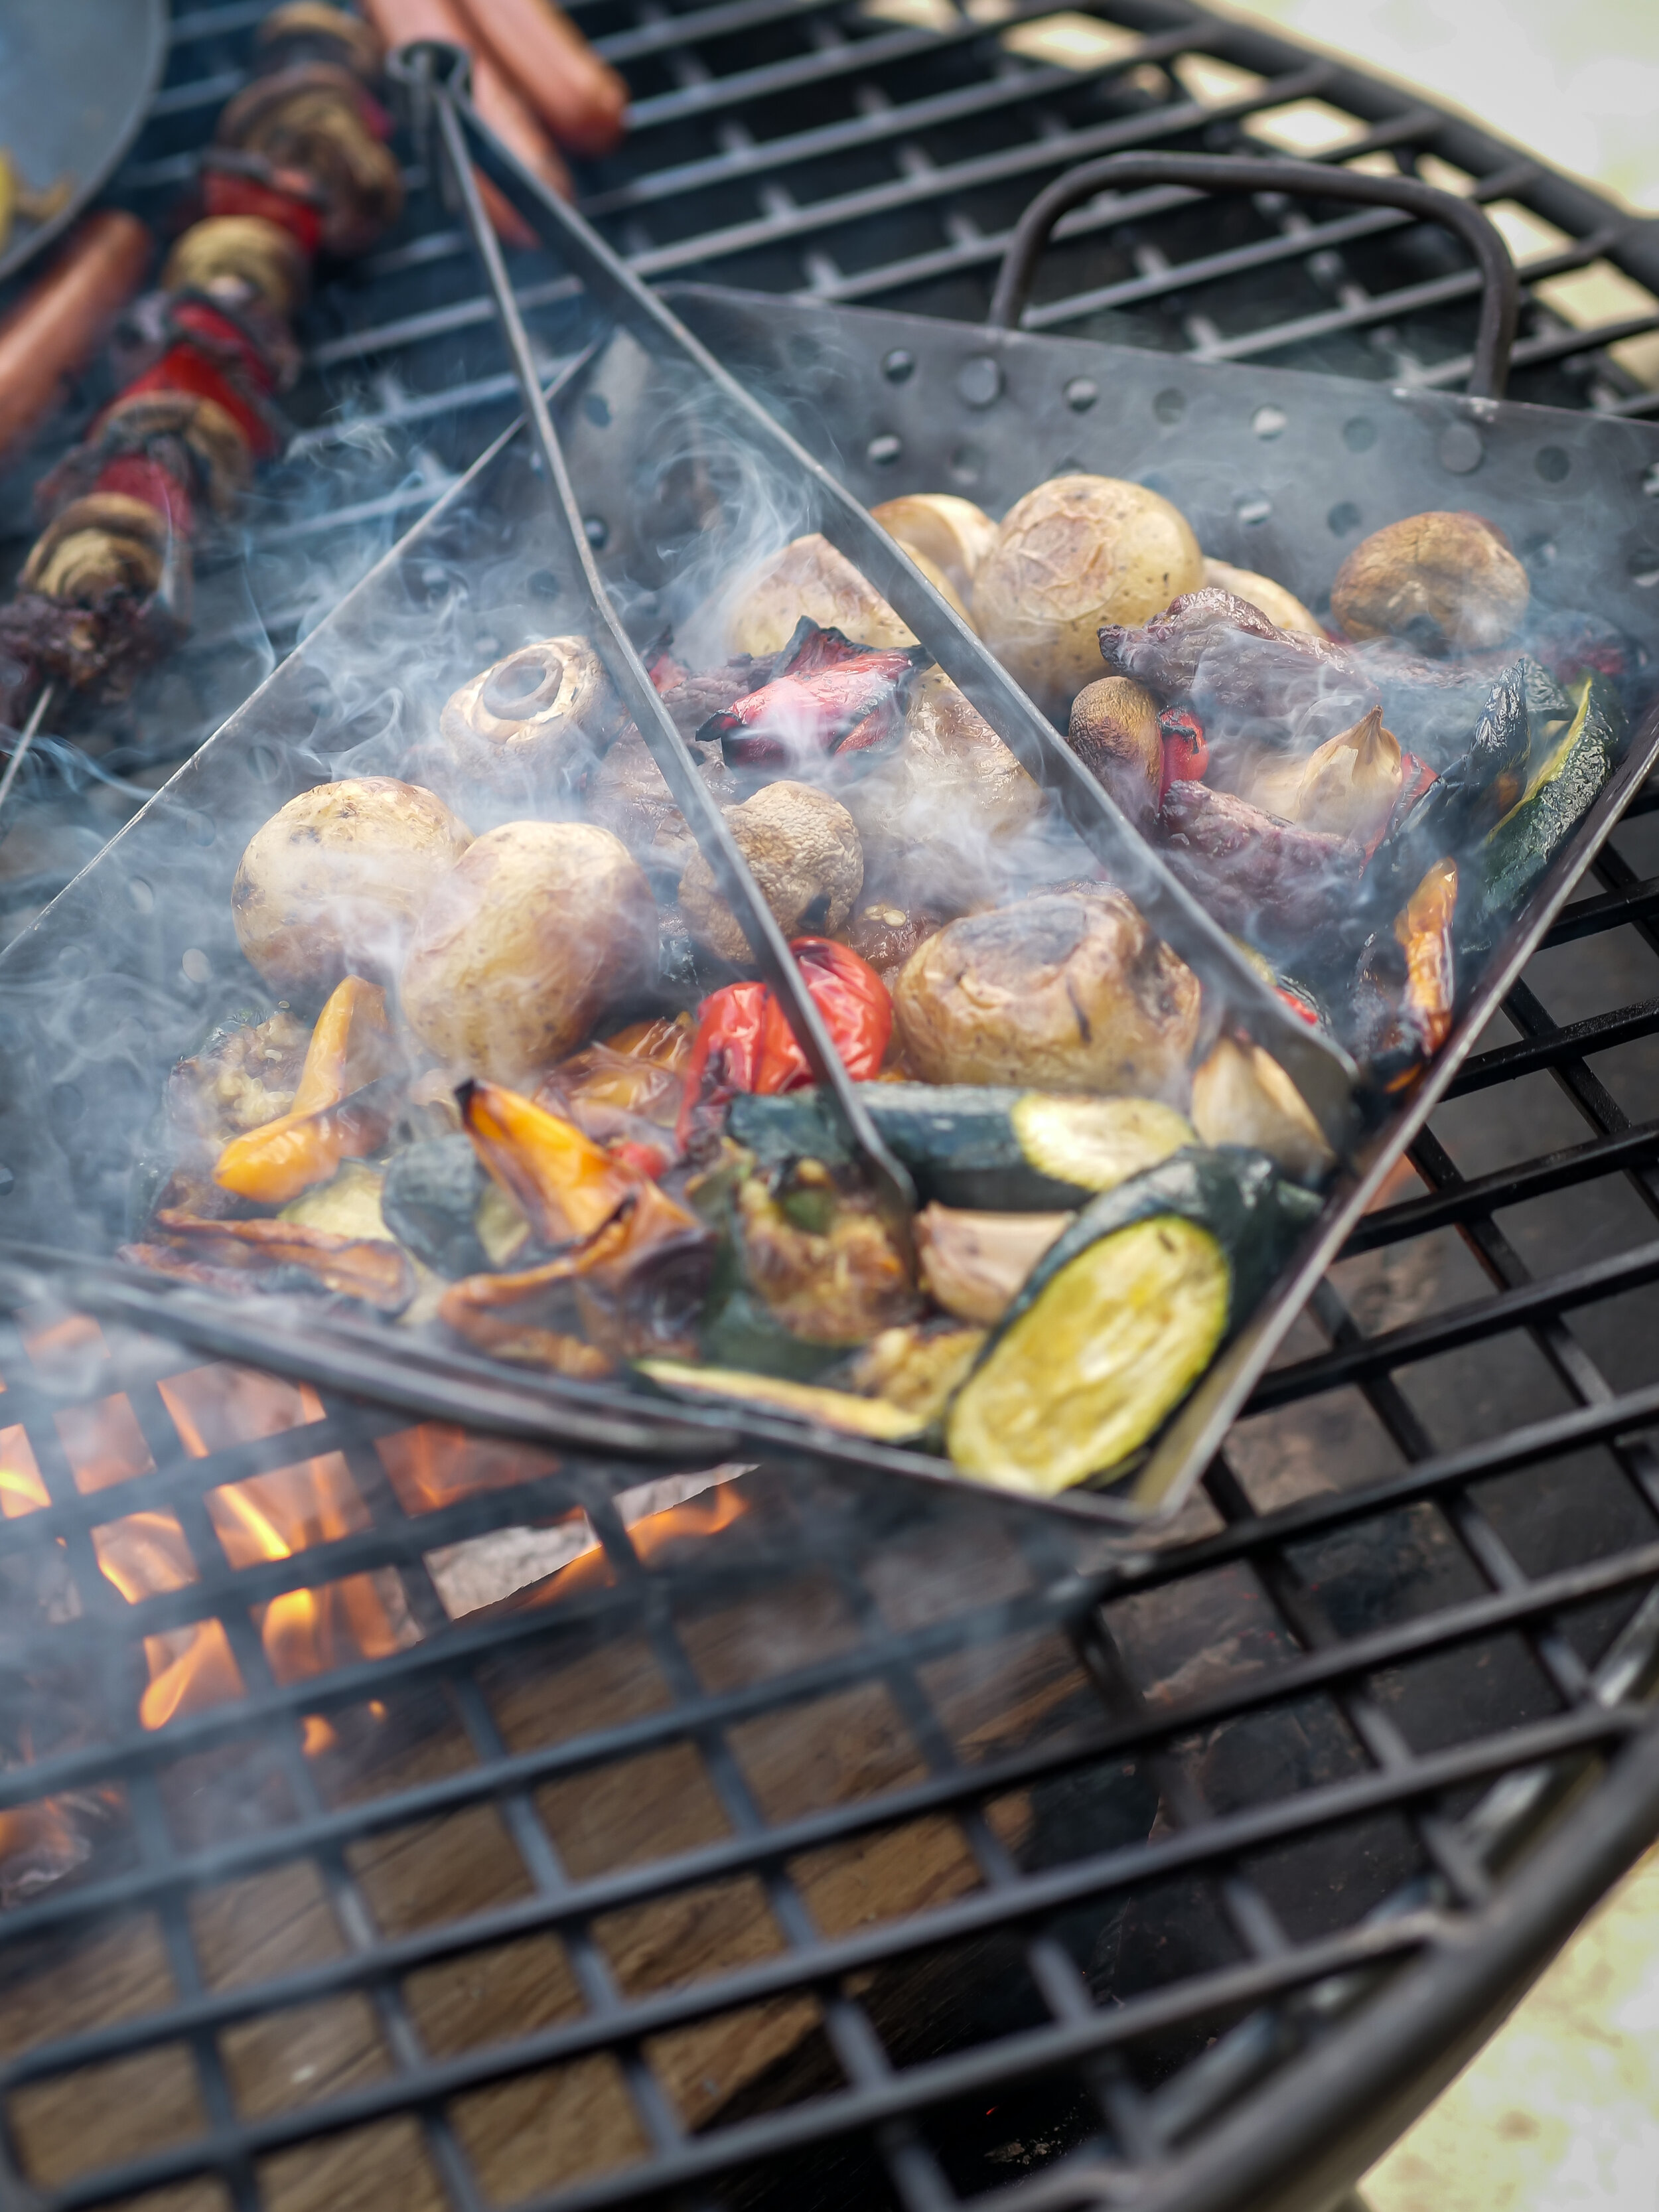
(55, 328)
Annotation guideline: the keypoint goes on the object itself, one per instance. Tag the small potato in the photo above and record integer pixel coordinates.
(1242, 1095)
(939, 816)
(1444, 583)
(803, 850)
(1059, 993)
(1113, 731)
(534, 723)
(953, 533)
(333, 885)
(1077, 552)
(809, 578)
(536, 930)
(1270, 598)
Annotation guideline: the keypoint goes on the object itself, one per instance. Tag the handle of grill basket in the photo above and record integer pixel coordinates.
(1500, 287)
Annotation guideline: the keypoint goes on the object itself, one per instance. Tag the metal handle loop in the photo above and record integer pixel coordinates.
(1500, 287)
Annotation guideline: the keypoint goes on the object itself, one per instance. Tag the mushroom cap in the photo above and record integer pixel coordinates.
(803, 850)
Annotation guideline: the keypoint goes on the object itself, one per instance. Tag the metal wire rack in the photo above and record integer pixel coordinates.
(853, 1844)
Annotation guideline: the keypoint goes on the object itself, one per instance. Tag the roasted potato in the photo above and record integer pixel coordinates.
(532, 724)
(1444, 583)
(937, 816)
(808, 577)
(1273, 599)
(953, 534)
(334, 884)
(1077, 552)
(803, 850)
(1058, 993)
(536, 930)
(1113, 731)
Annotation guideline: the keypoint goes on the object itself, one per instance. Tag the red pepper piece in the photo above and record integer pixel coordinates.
(826, 695)
(225, 193)
(139, 477)
(181, 368)
(1186, 755)
(745, 1043)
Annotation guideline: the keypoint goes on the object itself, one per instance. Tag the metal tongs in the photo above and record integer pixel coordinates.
(438, 77)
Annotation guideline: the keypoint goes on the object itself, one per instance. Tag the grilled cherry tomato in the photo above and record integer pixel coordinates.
(745, 1043)
(1186, 755)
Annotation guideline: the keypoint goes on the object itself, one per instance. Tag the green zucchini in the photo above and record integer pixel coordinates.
(1559, 794)
(1122, 1316)
(997, 1150)
(874, 1418)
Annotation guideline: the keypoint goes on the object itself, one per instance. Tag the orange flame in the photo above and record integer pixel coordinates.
(21, 1490)
(706, 1515)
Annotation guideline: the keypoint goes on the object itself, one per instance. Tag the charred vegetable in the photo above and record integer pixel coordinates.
(334, 884)
(430, 1201)
(841, 1410)
(1273, 882)
(1242, 1095)
(1115, 732)
(1121, 1317)
(916, 1367)
(1445, 583)
(1007, 1150)
(534, 724)
(536, 930)
(974, 1264)
(745, 1043)
(1078, 552)
(368, 1269)
(1070, 993)
(1470, 797)
(803, 850)
(1562, 791)
(827, 697)
(1352, 782)
(819, 1259)
(342, 1107)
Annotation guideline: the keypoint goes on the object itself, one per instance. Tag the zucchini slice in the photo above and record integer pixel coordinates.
(1561, 793)
(1122, 1316)
(967, 1145)
(874, 1418)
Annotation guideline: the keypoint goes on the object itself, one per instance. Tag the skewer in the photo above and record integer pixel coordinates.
(1322, 1071)
(896, 1193)
(43, 703)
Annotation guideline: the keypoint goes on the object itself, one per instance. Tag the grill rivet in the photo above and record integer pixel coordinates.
(966, 464)
(542, 583)
(595, 531)
(1650, 482)
(1169, 405)
(1268, 422)
(1552, 462)
(1253, 507)
(881, 453)
(1460, 449)
(1081, 393)
(979, 381)
(142, 898)
(8, 1182)
(1359, 436)
(197, 967)
(898, 365)
(1644, 568)
(1343, 517)
(597, 408)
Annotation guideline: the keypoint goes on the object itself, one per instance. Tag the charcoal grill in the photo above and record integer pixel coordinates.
(1422, 1567)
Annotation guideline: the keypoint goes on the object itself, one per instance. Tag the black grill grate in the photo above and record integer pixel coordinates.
(875, 1848)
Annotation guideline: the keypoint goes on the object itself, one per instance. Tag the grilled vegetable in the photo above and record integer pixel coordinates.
(1070, 993)
(974, 1264)
(872, 1418)
(1115, 732)
(1242, 1095)
(886, 935)
(1282, 608)
(803, 852)
(334, 883)
(916, 1368)
(744, 1042)
(820, 1260)
(563, 1183)
(538, 928)
(357, 1267)
(1447, 583)
(1425, 934)
(1121, 1317)
(1556, 800)
(430, 1200)
(1273, 881)
(827, 697)
(945, 818)
(1438, 702)
(1352, 782)
(533, 724)
(1471, 796)
(952, 534)
(1078, 551)
(1246, 679)
(810, 581)
(332, 1116)
(968, 1146)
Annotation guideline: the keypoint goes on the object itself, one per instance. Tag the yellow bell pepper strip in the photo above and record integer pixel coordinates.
(379, 1273)
(566, 1186)
(333, 1116)
(1424, 930)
